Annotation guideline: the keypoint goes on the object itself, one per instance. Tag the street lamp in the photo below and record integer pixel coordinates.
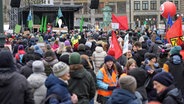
(2, 37)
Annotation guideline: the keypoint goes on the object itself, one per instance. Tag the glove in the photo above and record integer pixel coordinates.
(111, 87)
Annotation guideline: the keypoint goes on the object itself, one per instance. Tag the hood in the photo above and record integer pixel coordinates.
(99, 49)
(175, 93)
(79, 74)
(29, 63)
(118, 94)
(53, 80)
(21, 52)
(50, 61)
(176, 59)
(37, 79)
(5, 77)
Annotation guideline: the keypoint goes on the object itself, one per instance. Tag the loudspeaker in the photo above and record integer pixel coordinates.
(15, 3)
(94, 4)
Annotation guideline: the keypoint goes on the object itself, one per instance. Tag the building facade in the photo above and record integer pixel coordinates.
(148, 12)
(138, 12)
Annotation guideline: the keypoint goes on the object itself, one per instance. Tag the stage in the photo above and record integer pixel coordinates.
(39, 10)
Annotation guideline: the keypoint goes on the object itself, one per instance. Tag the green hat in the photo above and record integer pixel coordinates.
(175, 50)
(74, 58)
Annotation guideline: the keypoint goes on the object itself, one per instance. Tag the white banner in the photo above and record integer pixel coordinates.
(115, 25)
(126, 41)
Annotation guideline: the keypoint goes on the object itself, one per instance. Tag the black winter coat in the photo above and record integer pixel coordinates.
(82, 84)
(171, 96)
(14, 88)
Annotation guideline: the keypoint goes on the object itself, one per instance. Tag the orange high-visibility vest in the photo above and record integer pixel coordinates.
(110, 80)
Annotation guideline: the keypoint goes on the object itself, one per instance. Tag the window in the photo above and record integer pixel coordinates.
(121, 6)
(161, 2)
(153, 5)
(144, 5)
(176, 3)
(136, 5)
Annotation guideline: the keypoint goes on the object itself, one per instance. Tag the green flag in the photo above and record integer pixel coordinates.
(45, 25)
(41, 25)
(17, 28)
(30, 20)
(81, 24)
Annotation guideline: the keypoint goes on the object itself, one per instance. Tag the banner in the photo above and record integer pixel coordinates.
(122, 20)
(174, 34)
(17, 28)
(115, 25)
(126, 41)
(114, 45)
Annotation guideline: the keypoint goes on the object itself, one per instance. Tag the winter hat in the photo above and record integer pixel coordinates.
(81, 47)
(37, 49)
(111, 52)
(140, 76)
(60, 68)
(38, 66)
(67, 43)
(64, 58)
(6, 60)
(175, 50)
(74, 58)
(164, 78)
(108, 58)
(89, 44)
(21, 47)
(128, 83)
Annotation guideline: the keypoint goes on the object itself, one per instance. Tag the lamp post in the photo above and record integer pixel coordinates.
(1, 16)
(2, 37)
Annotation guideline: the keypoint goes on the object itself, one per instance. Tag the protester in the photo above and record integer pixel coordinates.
(139, 55)
(81, 78)
(14, 88)
(126, 93)
(49, 60)
(98, 57)
(106, 80)
(168, 94)
(175, 66)
(57, 84)
(37, 81)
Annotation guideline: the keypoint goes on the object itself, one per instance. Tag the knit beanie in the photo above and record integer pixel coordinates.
(74, 58)
(89, 44)
(38, 66)
(21, 47)
(164, 78)
(81, 47)
(175, 50)
(60, 68)
(64, 58)
(67, 43)
(128, 83)
(108, 58)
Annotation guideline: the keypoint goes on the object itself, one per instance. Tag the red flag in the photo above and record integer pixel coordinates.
(114, 45)
(174, 34)
(122, 20)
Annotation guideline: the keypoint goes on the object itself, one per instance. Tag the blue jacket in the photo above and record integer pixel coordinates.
(121, 96)
(56, 86)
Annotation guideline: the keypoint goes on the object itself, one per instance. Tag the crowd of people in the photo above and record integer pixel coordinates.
(79, 68)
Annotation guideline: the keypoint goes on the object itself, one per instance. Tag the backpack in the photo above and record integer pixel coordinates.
(21, 58)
